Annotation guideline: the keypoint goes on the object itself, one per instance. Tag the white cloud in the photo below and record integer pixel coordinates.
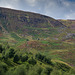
(16, 0)
(9, 3)
(31, 2)
(70, 16)
(66, 3)
(53, 9)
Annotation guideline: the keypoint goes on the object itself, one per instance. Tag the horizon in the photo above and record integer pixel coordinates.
(34, 12)
(60, 9)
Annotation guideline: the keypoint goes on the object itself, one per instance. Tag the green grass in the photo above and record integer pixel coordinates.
(47, 55)
(45, 42)
(50, 43)
(16, 37)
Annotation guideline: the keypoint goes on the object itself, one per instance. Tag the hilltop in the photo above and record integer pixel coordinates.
(28, 23)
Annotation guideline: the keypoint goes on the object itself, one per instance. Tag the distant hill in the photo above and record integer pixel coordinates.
(69, 23)
(28, 23)
(70, 27)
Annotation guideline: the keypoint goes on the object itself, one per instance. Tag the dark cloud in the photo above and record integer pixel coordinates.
(64, 9)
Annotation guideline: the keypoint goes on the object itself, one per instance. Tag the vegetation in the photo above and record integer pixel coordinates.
(12, 63)
(34, 44)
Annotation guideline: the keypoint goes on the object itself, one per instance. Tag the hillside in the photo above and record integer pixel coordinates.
(19, 62)
(71, 28)
(43, 45)
(27, 23)
(69, 23)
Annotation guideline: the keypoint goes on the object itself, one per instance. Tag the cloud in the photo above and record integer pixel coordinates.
(66, 3)
(14, 4)
(53, 8)
(59, 8)
(70, 16)
(31, 2)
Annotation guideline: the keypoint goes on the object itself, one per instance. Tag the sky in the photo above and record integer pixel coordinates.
(58, 9)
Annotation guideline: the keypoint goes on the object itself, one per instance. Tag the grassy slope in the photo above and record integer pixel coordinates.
(45, 37)
(43, 66)
(28, 24)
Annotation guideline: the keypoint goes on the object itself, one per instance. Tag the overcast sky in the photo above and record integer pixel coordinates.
(58, 9)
